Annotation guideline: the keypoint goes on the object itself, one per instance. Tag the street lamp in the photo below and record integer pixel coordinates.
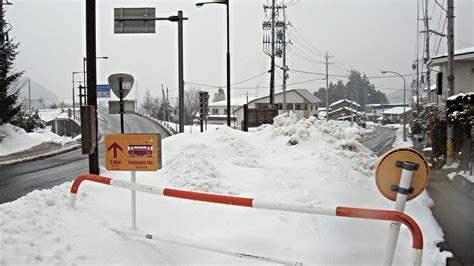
(84, 60)
(73, 100)
(404, 113)
(225, 2)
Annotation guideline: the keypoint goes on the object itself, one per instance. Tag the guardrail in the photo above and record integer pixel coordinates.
(394, 216)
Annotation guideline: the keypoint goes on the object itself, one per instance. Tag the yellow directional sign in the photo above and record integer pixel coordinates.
(133, 152)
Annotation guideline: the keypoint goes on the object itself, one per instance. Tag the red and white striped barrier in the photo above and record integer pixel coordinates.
(394, 216)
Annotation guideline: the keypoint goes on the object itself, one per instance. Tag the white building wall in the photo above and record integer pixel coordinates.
(291, 97)
(464, 78)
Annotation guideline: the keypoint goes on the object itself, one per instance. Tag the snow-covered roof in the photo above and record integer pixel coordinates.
(49, 114)
(237, 101)
(307, 95)
(346, 108)
(344, 100)
(397, 110)
(302, 92)
(460, 95)
(460, 54)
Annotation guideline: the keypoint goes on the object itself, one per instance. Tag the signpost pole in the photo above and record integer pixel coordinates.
(403, 189)
(134, 202)
(121, 105)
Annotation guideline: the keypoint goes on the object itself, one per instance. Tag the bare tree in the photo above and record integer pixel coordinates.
(191, 104)
(152, 105)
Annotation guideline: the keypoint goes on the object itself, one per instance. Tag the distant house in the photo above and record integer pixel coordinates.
(375, 111)
(344, 109)
(218, 110)
(463, 72)
(395, 114)
(300, 101)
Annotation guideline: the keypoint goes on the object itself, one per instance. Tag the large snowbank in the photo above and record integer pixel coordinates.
(17, 139)
(327, 166)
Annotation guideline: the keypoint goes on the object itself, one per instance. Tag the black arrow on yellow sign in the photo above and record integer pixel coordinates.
(115, 146)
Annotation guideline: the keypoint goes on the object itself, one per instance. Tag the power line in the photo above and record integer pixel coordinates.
(249, 88)
(256, 76)
(303, 43)
(315, 50)
(342, 76)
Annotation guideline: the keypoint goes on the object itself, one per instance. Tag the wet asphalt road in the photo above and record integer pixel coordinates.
(20, 179)
(380, 140)
(454, 212)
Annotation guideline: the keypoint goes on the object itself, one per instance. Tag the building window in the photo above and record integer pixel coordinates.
(300, 106)
(225, 111)
(215, 111)
(262, 105)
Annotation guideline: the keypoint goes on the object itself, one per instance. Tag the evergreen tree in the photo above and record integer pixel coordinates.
(219, 96)
(9, 79)
(358, 88)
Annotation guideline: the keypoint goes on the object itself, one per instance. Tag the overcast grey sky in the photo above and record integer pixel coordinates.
(369, 36)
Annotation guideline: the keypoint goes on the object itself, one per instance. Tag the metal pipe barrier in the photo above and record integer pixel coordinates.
(373, 214)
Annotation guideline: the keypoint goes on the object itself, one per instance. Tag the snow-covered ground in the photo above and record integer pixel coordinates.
(328, 166)
(16, 139)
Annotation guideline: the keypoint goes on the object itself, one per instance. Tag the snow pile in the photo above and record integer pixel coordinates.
(399, 143)
(17, 139)
(41, 228)
(464, 174)
(288, 125)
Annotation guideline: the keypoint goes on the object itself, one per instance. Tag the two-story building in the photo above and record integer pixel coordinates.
(463, 72)
(300, 101)
(218, 110)
(344, 109)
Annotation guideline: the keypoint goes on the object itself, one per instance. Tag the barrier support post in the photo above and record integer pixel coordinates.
(402, 189)
(134, 202)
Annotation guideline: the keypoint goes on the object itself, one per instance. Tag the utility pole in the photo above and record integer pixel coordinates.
(272, 70)
(450, 48)
(274, 44)
(427, 50)
(450, 132)
(327, 85)
(269, 44)
(417, 56)
(285, 67)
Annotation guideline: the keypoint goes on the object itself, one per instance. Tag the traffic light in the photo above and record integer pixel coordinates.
(203, 107)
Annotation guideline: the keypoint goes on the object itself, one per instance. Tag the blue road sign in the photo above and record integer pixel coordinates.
(103, 91)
